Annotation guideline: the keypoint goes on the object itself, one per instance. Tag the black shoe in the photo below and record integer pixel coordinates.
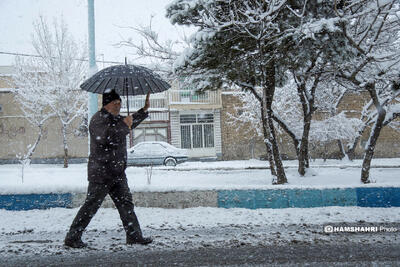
(74, 243)
(140, 240)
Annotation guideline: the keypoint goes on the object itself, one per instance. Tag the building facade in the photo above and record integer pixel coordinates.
(183, 118)
(16, 133)
(198, 121)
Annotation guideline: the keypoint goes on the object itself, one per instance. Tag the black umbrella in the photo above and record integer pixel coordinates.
(125, 80)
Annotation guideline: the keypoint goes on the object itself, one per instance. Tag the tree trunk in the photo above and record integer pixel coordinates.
(342, 153)
(268, 97)
(352, 150)
(369, 152)
(307, 103)
(26, 160)
(267, 142)
(374, 135)
(65, 157)
(280, 171)
(351, 153)
(270, 158)
(64, 134)
(296, 142)
(325, 156)
(32, 149)
(303, 152)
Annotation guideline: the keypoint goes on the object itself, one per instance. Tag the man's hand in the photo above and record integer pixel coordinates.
(147, 102)
(128, 121)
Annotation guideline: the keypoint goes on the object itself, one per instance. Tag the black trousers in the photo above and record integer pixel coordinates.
(122, 198)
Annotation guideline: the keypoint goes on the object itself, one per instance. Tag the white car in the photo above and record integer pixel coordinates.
(156, 153)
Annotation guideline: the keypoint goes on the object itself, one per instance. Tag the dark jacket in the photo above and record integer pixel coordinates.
(107, 159)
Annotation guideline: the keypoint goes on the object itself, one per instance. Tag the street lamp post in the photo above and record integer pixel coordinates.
(92, 102)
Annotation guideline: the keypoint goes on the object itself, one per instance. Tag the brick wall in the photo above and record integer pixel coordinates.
(241, 142)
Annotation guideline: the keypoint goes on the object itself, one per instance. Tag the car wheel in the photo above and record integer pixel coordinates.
(170, 161)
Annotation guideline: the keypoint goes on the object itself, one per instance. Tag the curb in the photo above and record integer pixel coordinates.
(250, 199)
(183, 169)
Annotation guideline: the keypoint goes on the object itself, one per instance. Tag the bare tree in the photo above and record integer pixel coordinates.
(160, 55)
(62, 63)
(48, 85)
(372, 30)
(32, 97)
(289, 115)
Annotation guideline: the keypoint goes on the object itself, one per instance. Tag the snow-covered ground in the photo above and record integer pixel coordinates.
(41, 232)
(242, 174)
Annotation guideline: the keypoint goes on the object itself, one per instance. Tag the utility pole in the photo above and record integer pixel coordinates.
(92, 102)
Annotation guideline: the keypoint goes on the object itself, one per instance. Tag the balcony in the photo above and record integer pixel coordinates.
(158, 116)
(158, 102)
(176, 99)
(185, 97)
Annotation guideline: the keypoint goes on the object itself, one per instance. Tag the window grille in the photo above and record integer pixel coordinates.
(197, 130)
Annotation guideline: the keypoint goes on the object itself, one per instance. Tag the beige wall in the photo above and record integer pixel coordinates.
(238, 142)
(5, 82)
(242, 142)
(388, 142)
(16, 134)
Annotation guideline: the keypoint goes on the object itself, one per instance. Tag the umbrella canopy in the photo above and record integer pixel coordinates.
(125, 80)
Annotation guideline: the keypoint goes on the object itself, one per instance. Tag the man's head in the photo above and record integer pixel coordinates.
(112, 102)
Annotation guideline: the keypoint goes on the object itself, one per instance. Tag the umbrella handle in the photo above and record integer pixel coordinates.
(127, 105)
(130, 137)
(127, 95)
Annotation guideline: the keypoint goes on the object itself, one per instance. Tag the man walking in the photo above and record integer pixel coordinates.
(106, 170)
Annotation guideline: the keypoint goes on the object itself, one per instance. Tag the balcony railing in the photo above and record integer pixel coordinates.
(161, 101)
(158, 116)
(193, 97)
(157, 102)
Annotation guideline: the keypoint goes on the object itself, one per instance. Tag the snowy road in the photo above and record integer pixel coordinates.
(232, 236)
(347, 254)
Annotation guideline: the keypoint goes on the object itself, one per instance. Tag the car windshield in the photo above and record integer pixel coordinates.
(166, 145)
(139, 147)
(150, 146)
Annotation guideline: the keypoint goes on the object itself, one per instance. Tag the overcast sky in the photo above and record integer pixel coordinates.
(17, 17)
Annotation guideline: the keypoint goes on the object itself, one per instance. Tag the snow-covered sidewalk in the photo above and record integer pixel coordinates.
(254, 164)
(46, 178)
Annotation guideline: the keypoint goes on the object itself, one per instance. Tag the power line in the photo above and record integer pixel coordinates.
(30, 55)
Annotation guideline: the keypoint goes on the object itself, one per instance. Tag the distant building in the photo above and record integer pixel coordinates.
(241, 142)
(16, 134)
(180, 116)
(183, 118)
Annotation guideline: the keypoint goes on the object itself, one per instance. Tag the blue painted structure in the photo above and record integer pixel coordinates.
(35, 201)
(250, 199)
(378, 197)
(308, 198)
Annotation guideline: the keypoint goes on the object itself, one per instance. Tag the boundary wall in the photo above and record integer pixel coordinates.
(250, 199)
